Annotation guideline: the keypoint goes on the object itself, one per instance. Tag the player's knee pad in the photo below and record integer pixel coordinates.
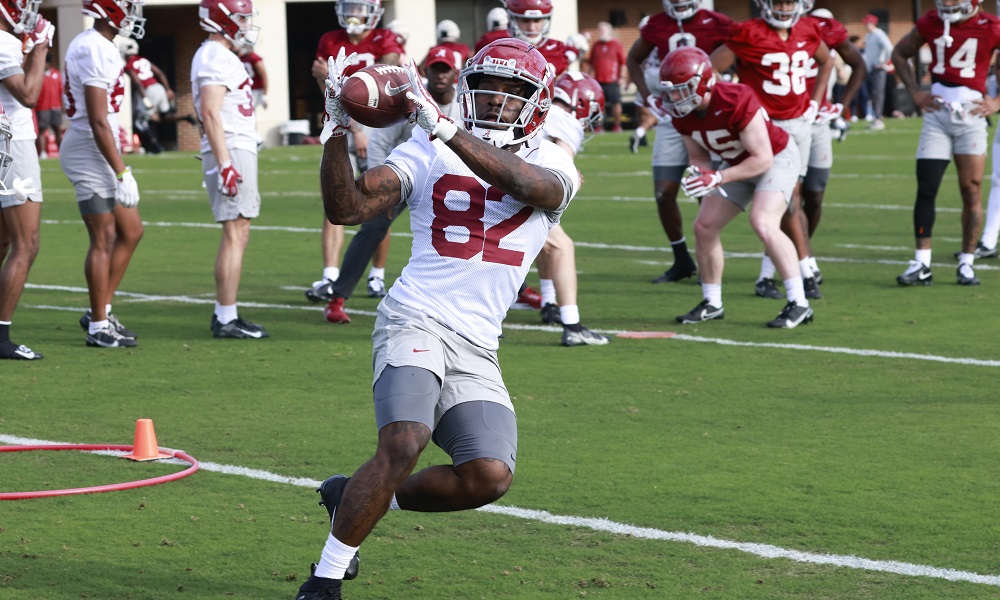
(816, 179)
(930, 173)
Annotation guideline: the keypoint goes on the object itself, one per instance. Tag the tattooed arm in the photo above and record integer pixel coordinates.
(348, 201)
(907, 48)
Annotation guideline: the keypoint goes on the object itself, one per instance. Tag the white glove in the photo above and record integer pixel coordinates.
(697, 184)
(338, 122)
(426, 112)
(263, 101)
(655, 108)
(127, 190)
(23, 188)
(829, 112)
(43, 33)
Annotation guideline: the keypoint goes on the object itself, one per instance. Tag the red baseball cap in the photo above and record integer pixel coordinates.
(870, 19)
(440, 54)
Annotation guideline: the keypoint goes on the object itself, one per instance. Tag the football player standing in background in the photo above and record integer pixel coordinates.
(106, 192)
(682, 23)
(963, 40)
(359, 36)
(221, 92)
(496, 27)
(21, 76)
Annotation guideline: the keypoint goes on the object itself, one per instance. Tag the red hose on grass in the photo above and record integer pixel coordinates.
(114, 487)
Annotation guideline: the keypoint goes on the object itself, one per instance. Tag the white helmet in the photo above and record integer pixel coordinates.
(448, 31)
(128, 47)
(496, 19)
(822, 13)
(399, 27)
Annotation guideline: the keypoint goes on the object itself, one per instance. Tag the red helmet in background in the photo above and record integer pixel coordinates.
(21, 14)
(232, 18)
(685, 76)
(507, 58)
(536, 10)
(125, 16)
(583, 95)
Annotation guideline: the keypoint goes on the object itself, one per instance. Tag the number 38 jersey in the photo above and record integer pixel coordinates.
(92, 60)
(776, 69)
(966, 61)
(706, 30)
(214, 64)
(472, 244)
(730, 110)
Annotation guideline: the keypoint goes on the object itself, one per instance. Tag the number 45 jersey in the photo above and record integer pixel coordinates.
(776, 69)
(214, 64)
(472, 244)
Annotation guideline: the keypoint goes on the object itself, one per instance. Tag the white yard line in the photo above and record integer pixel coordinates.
(766, 551)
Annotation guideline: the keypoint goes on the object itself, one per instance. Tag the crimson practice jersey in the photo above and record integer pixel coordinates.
(491, 36)
(558, 54)
(376, 44)
(730, 109)
(143, 70)
(776, 68)
(707, 30)
(834, 34)
(460, 50)
(966, 61)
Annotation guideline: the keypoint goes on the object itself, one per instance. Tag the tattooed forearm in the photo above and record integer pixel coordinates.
(349, 202)
(907, 48)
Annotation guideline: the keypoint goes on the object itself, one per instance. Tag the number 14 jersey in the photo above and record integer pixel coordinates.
(214, 64)
(965, 61)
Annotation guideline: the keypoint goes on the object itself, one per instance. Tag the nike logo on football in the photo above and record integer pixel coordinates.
(392, 90)
(415, 350)
(800, 44)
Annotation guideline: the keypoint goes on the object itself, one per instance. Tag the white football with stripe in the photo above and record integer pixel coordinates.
(376, 95)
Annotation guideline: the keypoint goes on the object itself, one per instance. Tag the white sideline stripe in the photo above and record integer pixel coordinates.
(515, 326)
(766, 551)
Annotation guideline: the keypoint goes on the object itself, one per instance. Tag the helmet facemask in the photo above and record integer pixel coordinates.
(27, 15)
(780, 19)
(134, 24)
(358, 16)
(534, 96)
(533, 38)
(682, 10)
(955, 13)
(680, 99)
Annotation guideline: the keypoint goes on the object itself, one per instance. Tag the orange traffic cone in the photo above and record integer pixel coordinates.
(144, 447)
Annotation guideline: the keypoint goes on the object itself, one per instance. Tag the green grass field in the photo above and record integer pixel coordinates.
(872, 432)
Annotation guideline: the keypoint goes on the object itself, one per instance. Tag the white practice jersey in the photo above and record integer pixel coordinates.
(560, 125)
(11, 57)
(92, 60)
(214, 64)
(472, 244)
(382, 141)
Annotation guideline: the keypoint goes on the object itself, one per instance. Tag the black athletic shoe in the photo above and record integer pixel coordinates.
(124, 331)
(811, 288)
(677, 272)
(982, 252)
(331, 491)
(110, 338)
(376, 287)
(818, 276)
(316, 588)
(550, 314)
(584, 337)
(10, 351)
(321, 291)
(768, 288)
(967, 275)
(703, 312)
(792, 316)
(238, 329)
(916, 274)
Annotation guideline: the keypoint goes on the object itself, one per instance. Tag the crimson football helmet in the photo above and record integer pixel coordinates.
(681, 9)
(536, 10)
(232, 18)
(781, 19)
(685, 76)
(507, 58)
(583, 95)
(21, 14)
(359, 16)
(959, 12)
(125, 16)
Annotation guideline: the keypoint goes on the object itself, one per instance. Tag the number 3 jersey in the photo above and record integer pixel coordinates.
(965, 61)
(214, 64)
(92, 60)
(472, 244)
(776, 68)
(730, 110)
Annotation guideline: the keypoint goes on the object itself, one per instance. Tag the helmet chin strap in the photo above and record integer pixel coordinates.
(501, 138)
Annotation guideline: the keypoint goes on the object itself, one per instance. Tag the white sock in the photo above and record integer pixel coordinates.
(766, 268)
(225, 314)
(335, 559)
(548, 289)
(4, 322)
(331, 273)
(795, 292)
(713, 293)
(107, 309)
(964, 258)
(991, 228)
(640, 131)
(805, 269)
(376, 272)
(393, 504)
(569, 315)
(924, 256)
(96, 326)
(812, 265)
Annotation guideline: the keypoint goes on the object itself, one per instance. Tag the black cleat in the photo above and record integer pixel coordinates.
(110, 338)
(792, 316)
(768, 288)
(703, 312)
(321, 291)
(376, 287)
(331, 492)
(550, 314)
(982, 252)
(677, 272)
(11, 351)
(916, 274)
(238, 329)
(818, 276)
(967, 275)
(124, 331)
(811, 288)
(317, 588)
(584, 337)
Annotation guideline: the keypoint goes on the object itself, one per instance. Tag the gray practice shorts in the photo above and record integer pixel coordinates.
(25, 165)
(156, 94)
(469, 374)
(781, 177)
(247, 200)
(49, 118)
(668, 148)
(800, 130)
(821, 154)
(946, 133)
(85, 167)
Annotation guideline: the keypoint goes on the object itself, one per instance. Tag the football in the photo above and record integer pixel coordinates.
(376, 95)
